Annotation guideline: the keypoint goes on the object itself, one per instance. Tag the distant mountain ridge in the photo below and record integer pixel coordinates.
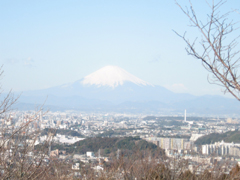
(114, 89)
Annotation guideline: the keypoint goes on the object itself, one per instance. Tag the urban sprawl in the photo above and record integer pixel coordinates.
(176, 135)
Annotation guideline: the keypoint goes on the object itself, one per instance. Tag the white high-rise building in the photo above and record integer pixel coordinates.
(185, 116)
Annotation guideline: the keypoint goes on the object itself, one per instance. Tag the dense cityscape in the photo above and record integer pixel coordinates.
(177, 135)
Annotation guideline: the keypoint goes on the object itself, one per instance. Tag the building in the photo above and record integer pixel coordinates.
(221, 148)
(171, 143)
(90, 154)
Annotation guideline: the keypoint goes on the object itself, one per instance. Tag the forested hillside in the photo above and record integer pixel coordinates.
(230, 136)
(108, 145)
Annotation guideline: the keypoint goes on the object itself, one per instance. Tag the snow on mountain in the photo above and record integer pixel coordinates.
(112, 76)
(114, 89)
(112, 84)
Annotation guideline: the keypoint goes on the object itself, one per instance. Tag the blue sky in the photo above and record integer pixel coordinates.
(49, 43)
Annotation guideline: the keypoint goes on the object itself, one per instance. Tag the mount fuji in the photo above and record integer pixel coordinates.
(113, 88)
(113, 84)
(112, 76)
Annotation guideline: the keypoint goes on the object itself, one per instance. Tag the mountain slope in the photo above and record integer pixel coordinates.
(112, 88)
(112, 76)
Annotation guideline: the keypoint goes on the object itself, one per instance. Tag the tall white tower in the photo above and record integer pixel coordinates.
(185, 116)
(118, 154)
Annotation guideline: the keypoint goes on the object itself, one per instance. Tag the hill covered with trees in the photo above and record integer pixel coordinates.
(109, 145)
(230, 136)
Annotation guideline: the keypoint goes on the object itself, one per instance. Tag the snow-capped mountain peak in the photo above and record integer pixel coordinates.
(112, 76)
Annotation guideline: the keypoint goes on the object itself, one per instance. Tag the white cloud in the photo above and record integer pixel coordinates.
(177, 88)
(28, 62)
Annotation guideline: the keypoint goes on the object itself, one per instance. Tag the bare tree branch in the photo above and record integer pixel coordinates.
(218, 55)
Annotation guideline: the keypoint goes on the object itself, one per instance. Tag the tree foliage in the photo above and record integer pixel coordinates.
(230, 136)
(109, 145)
